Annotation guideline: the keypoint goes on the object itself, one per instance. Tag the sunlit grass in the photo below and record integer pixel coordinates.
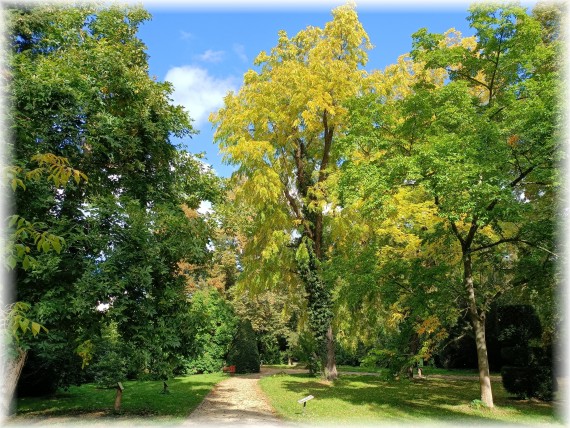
(140, 398)
(367, 399)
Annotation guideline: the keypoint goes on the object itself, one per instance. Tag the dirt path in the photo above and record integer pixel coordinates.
(238, 400)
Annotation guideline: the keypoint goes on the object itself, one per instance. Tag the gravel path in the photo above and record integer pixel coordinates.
(238, 400)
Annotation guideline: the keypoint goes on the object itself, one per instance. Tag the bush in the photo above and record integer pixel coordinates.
(212, 325)
(206, 363)
(244, 353)
(545, 383)
(345, 355)
(306, 352)
(270, 352)
(528, 382)
(109, 369)
(529, 370)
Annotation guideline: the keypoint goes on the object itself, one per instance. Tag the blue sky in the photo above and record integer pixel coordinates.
(205, 53)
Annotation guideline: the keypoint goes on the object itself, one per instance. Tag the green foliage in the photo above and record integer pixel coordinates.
(109, 369)
(274, 317)
(81, 95)
(306, 352)
(469, 127)
(517, 325)
(529, 382)
(213, 325)
(527, 371)
(19, 324)
(243, 352)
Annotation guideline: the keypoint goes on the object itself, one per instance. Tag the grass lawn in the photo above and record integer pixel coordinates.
(140, 399)
(384, 372)
(361, 369)
(370, 399)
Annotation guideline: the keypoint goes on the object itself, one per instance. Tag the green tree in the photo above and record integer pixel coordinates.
(280, 129)
(80, 90)
(243, 351)
(214, 324)
(483, 147)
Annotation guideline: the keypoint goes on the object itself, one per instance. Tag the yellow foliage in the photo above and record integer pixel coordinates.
(429, 325)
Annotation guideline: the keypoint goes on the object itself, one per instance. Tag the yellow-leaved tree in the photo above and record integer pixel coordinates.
(280, 130)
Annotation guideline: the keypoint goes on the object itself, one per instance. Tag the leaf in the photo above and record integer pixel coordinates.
(36, 328)
(12, 262)
(13, 219)
(56, 243)
(24, 324)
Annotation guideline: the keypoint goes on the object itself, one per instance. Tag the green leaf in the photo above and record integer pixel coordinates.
(56, 243)
(12, 261)
(24, 324)
(36, 328)
(13, 220)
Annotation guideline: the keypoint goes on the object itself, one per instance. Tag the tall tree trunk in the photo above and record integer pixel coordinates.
(330, 368)
(478, 323)
(482, 361)
(320, 315)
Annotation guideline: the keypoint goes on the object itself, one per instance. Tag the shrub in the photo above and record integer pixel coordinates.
(545, 383)
(306, 351)
(270, 352)
(528, 382)
(529, 370)
(517, 380)
(109, 369)
(243, 352)
(212, 325)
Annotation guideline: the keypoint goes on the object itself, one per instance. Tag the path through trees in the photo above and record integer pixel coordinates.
(237, 400)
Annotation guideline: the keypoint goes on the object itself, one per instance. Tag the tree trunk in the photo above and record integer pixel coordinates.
(483, 361)
(13, 369)
(478, 323)
(330, 368)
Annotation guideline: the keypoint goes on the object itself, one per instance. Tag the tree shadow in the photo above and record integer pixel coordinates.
(403, 400)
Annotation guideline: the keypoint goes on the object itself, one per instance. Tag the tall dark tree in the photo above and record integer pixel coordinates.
(80, 89)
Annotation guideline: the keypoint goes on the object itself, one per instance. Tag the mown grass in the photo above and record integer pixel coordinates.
(373, 400)
(140, 399)
(385, 372)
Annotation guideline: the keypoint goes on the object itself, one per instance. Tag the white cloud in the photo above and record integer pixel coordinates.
(211, 56)
(199, 92)
(239, 50)
(185, 35)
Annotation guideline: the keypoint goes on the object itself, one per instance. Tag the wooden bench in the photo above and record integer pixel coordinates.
(231, 370)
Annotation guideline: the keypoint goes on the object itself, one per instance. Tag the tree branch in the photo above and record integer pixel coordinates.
(453, 226)
(507, 240)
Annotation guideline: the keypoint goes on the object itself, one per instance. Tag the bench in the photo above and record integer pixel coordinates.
(229, 369)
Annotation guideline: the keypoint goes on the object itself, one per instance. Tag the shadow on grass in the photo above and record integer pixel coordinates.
(426, 399)
(140, 398)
